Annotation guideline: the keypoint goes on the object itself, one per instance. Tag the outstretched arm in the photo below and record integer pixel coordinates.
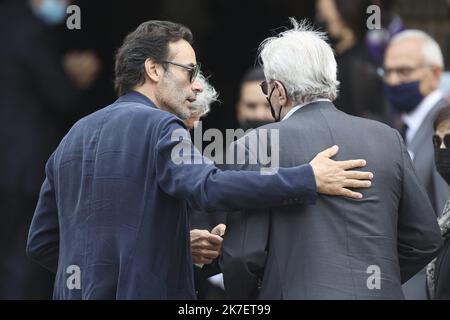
(183, 173)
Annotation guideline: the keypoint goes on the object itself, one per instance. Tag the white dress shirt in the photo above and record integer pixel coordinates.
(415, 118)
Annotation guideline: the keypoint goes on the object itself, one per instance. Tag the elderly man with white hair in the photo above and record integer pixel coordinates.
(202, 104)
(340, 248)
(413, 67)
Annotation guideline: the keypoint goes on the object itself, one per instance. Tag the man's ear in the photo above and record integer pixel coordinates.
(437, 71)
(153, 70)
(282, 94)
(432, 80)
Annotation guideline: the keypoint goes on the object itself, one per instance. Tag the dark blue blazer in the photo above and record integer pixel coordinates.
(113, 204)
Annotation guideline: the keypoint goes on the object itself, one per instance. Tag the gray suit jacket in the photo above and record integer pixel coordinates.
(340, 247)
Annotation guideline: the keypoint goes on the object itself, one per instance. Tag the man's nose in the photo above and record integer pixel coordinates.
(197, 86)
(392, 79)
(261, 112)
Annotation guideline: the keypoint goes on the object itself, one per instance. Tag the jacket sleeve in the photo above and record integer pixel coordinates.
(244, 253)
(43, 237)
(244, 248)
(419, 238)
(182, 172)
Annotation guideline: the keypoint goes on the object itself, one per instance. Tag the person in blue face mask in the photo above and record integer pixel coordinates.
(50, 11)
(41, 93)
(413, 66)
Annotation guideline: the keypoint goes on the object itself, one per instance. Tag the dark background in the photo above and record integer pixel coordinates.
(227, 34)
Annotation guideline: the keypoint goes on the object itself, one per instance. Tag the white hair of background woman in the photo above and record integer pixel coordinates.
(205, 98)
(303, 61)
(432, 53)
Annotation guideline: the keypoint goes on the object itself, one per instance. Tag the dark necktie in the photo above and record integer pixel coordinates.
(403, 130)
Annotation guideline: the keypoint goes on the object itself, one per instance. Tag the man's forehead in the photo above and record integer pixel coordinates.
(444, 126)
(251, 87)
(407, 51)
(182, 52)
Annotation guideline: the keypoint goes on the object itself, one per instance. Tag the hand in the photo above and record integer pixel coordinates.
(334, 177)
(219, 229)
(82, 67)
(205, 246)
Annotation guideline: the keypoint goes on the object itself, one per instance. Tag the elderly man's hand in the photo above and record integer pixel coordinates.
(335, 177)
(205, 246)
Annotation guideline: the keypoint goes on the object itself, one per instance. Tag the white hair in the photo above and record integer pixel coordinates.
(303, 61)
(205, 98)
(431, 51)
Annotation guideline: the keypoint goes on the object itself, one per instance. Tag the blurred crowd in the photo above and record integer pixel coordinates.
(387, 74)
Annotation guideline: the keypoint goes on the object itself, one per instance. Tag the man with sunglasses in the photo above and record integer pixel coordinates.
(111, 220)
(340, 248)
(412, 71)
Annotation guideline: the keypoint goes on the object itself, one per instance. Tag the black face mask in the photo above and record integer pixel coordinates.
(272, 110)
(442, 159)
(253, 124)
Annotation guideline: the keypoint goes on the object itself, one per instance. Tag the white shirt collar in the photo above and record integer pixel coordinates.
(292, 111)
(415, 118)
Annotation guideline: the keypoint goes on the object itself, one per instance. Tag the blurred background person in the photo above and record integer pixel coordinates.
(361, 89)
(438, 271)
(412, 70)
(202, 105)
(447, 45)
(252, 109)
(207, 287)
(38, 87)
(445, 82)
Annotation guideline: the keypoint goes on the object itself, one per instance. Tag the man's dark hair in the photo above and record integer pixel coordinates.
(253, 74)
(442, 116)
(149, 41)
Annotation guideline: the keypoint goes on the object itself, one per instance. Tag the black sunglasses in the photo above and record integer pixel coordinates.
(437, 141)
(264, 87)
(193, 70)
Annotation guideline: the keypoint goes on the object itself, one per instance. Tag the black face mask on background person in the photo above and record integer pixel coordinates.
(272, 110)
(253, 124)
(442, 160)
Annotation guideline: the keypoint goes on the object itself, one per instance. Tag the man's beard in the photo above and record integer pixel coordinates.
(172, 99)
(179, 111)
